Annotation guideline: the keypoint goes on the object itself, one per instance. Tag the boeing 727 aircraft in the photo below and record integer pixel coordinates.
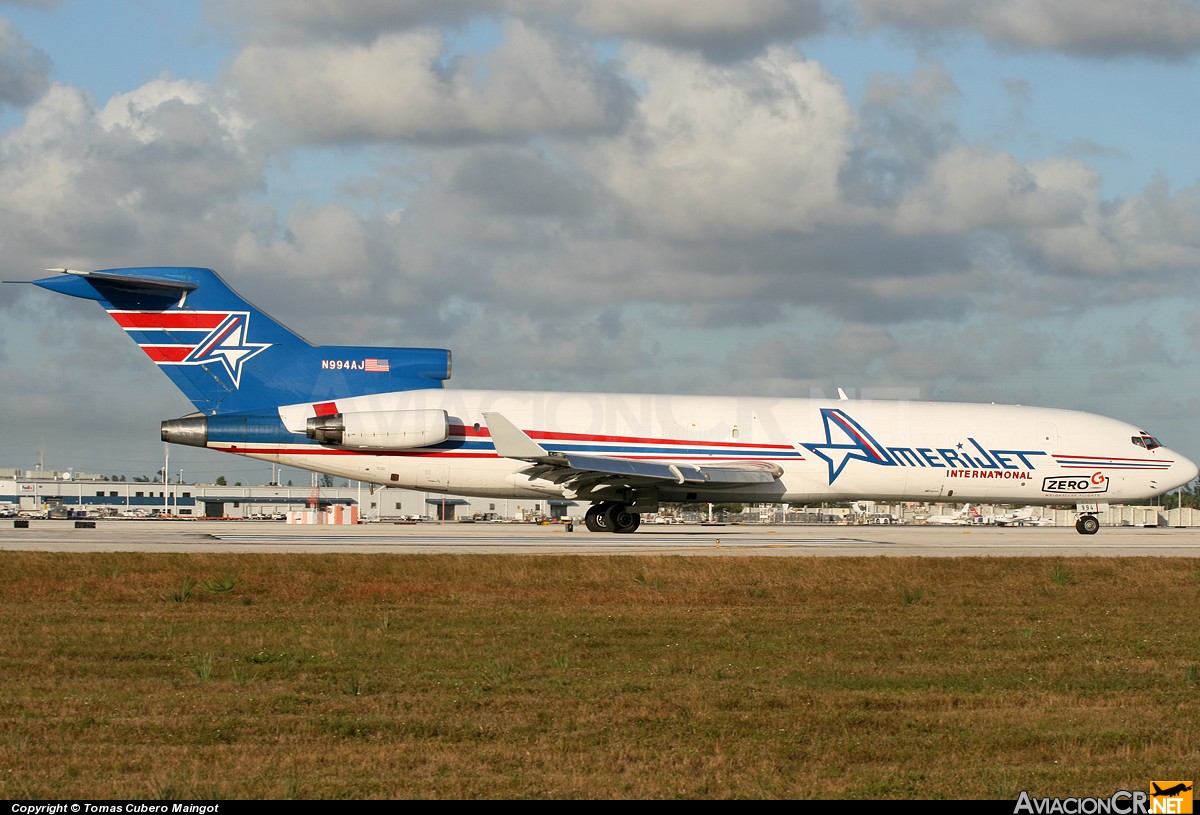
(381, 415)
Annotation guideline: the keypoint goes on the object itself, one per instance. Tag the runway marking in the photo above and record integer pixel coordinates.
(742, 542)
(508, 540)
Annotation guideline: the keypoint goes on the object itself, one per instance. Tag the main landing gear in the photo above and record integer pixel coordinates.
(610, 517)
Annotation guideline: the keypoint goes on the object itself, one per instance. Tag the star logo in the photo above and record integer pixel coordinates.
(226, 344)
(845, 441)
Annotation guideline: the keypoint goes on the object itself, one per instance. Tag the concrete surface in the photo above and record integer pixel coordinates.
(499, 538)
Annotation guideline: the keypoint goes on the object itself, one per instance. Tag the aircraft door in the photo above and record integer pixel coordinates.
(1047, 436)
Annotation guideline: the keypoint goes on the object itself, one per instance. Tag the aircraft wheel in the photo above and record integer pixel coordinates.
(618, 518)
(593, 519)
(1087, 525)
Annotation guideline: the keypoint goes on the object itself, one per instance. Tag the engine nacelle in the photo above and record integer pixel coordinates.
(381, 429)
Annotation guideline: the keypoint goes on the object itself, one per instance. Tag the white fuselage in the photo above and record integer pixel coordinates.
(828, 450)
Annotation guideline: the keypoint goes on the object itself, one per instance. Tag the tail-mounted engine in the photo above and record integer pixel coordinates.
(381, 430)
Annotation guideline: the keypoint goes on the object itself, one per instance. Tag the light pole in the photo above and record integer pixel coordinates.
(166, 477)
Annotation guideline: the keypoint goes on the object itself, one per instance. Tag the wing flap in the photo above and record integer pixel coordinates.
(681, 472)
(512, 442)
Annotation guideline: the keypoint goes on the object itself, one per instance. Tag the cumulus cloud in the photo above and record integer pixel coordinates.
(731, 150)
(517, 183)
(1153, 29)
(362, 20)
(718, 29)
(971, 188)
(903, 126)
(396, 89)
(24, 69)
(135, 175)
(1152, 236)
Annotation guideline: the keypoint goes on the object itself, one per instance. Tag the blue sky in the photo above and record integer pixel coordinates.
(113, 47)
(957, 200)
(1072, 104)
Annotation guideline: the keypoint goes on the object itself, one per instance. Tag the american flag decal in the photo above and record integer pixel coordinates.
(382, 365)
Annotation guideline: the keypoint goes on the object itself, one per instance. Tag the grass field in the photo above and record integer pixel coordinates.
(483, 677)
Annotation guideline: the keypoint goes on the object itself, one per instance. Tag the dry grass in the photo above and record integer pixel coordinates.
(437, 677)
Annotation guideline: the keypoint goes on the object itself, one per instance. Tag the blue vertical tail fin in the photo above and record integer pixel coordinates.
(228, 356)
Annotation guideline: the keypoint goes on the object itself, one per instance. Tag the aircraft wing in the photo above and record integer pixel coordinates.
(512, 442)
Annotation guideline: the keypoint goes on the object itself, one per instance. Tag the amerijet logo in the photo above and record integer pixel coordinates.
(853, 443)
(227, 345)
(846, 440)
(194, 338)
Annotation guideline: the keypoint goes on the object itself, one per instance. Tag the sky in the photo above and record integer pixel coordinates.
(950, 200)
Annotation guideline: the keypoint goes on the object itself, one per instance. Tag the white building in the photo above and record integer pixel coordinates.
(67, 495)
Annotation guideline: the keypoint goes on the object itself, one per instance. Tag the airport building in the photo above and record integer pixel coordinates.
(57, 494)
(82, 495)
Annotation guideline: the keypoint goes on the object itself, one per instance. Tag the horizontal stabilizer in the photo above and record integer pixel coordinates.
(156, 285)
(123, 288)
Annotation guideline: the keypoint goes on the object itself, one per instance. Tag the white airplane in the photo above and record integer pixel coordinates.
(1022, 517)
(963, 517)
(381, 415)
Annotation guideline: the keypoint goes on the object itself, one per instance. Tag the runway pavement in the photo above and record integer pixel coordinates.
(555, 539)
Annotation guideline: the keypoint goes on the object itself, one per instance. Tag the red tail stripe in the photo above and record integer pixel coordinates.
(167, 353)
(166, 320)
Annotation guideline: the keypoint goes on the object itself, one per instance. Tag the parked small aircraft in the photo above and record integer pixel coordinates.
(966, 515)
(1022, 517)
(382, 415)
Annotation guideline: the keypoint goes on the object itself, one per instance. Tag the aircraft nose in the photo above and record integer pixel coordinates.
(1184, 470)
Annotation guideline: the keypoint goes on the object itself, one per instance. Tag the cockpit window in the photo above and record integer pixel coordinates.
(1147, 441)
